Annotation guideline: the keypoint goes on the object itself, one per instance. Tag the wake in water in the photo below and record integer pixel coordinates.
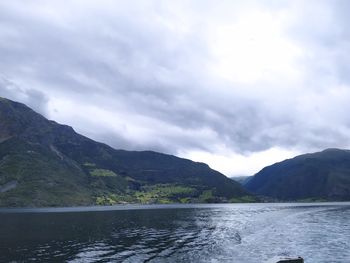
(216, 233)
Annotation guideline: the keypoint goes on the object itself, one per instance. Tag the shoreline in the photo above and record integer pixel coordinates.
(124, 207)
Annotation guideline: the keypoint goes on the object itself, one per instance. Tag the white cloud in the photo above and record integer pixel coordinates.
(234, 164)
(254, 48)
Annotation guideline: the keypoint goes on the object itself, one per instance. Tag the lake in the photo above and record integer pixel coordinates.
(177, 233)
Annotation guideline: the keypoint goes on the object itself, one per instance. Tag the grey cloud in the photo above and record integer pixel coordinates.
(129, 59)
(35, 98)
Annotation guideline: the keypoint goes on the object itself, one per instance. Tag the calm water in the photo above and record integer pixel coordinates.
(175, 233)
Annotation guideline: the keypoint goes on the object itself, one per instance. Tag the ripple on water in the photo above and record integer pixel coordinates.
(231, 233)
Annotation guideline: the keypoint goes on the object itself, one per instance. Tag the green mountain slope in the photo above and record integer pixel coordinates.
(318, 176)
(43, 163)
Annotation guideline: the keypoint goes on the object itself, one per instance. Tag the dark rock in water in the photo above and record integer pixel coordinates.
(291, 260)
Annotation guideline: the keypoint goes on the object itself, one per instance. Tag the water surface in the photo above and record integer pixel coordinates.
(177, 233)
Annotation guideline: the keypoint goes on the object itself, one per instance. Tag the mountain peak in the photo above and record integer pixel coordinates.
(330, 150)
(17, 119)
(334, 150)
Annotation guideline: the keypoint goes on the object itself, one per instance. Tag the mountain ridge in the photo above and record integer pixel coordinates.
(323, 175)
(49, 164)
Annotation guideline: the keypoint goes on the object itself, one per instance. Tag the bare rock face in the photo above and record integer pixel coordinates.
(8, 186)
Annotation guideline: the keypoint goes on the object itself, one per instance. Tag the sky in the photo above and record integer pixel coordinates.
(238, 84)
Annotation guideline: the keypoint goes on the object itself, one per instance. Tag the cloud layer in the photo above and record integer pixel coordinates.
(236, 80)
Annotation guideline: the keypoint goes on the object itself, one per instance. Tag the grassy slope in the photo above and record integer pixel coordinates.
(42, 178)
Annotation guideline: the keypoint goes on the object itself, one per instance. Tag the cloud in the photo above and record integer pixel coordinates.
(192, 78)
(32, 97)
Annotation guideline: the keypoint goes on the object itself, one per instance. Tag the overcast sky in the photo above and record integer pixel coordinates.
(236, 84)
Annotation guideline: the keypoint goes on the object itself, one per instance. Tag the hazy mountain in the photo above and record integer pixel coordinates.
(317, 176)
(43, 163)
(242, 179)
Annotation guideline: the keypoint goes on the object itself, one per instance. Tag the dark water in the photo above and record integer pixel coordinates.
(194, 233)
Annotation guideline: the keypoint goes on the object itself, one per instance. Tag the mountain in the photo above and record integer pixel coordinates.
(317, 176)
(242, 179)
(43, 163)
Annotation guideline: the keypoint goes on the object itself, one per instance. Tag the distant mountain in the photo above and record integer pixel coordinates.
(43, 163)
(242, 179)
(317, 176)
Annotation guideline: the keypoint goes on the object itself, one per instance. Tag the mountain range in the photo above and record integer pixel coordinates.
(43, 163)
